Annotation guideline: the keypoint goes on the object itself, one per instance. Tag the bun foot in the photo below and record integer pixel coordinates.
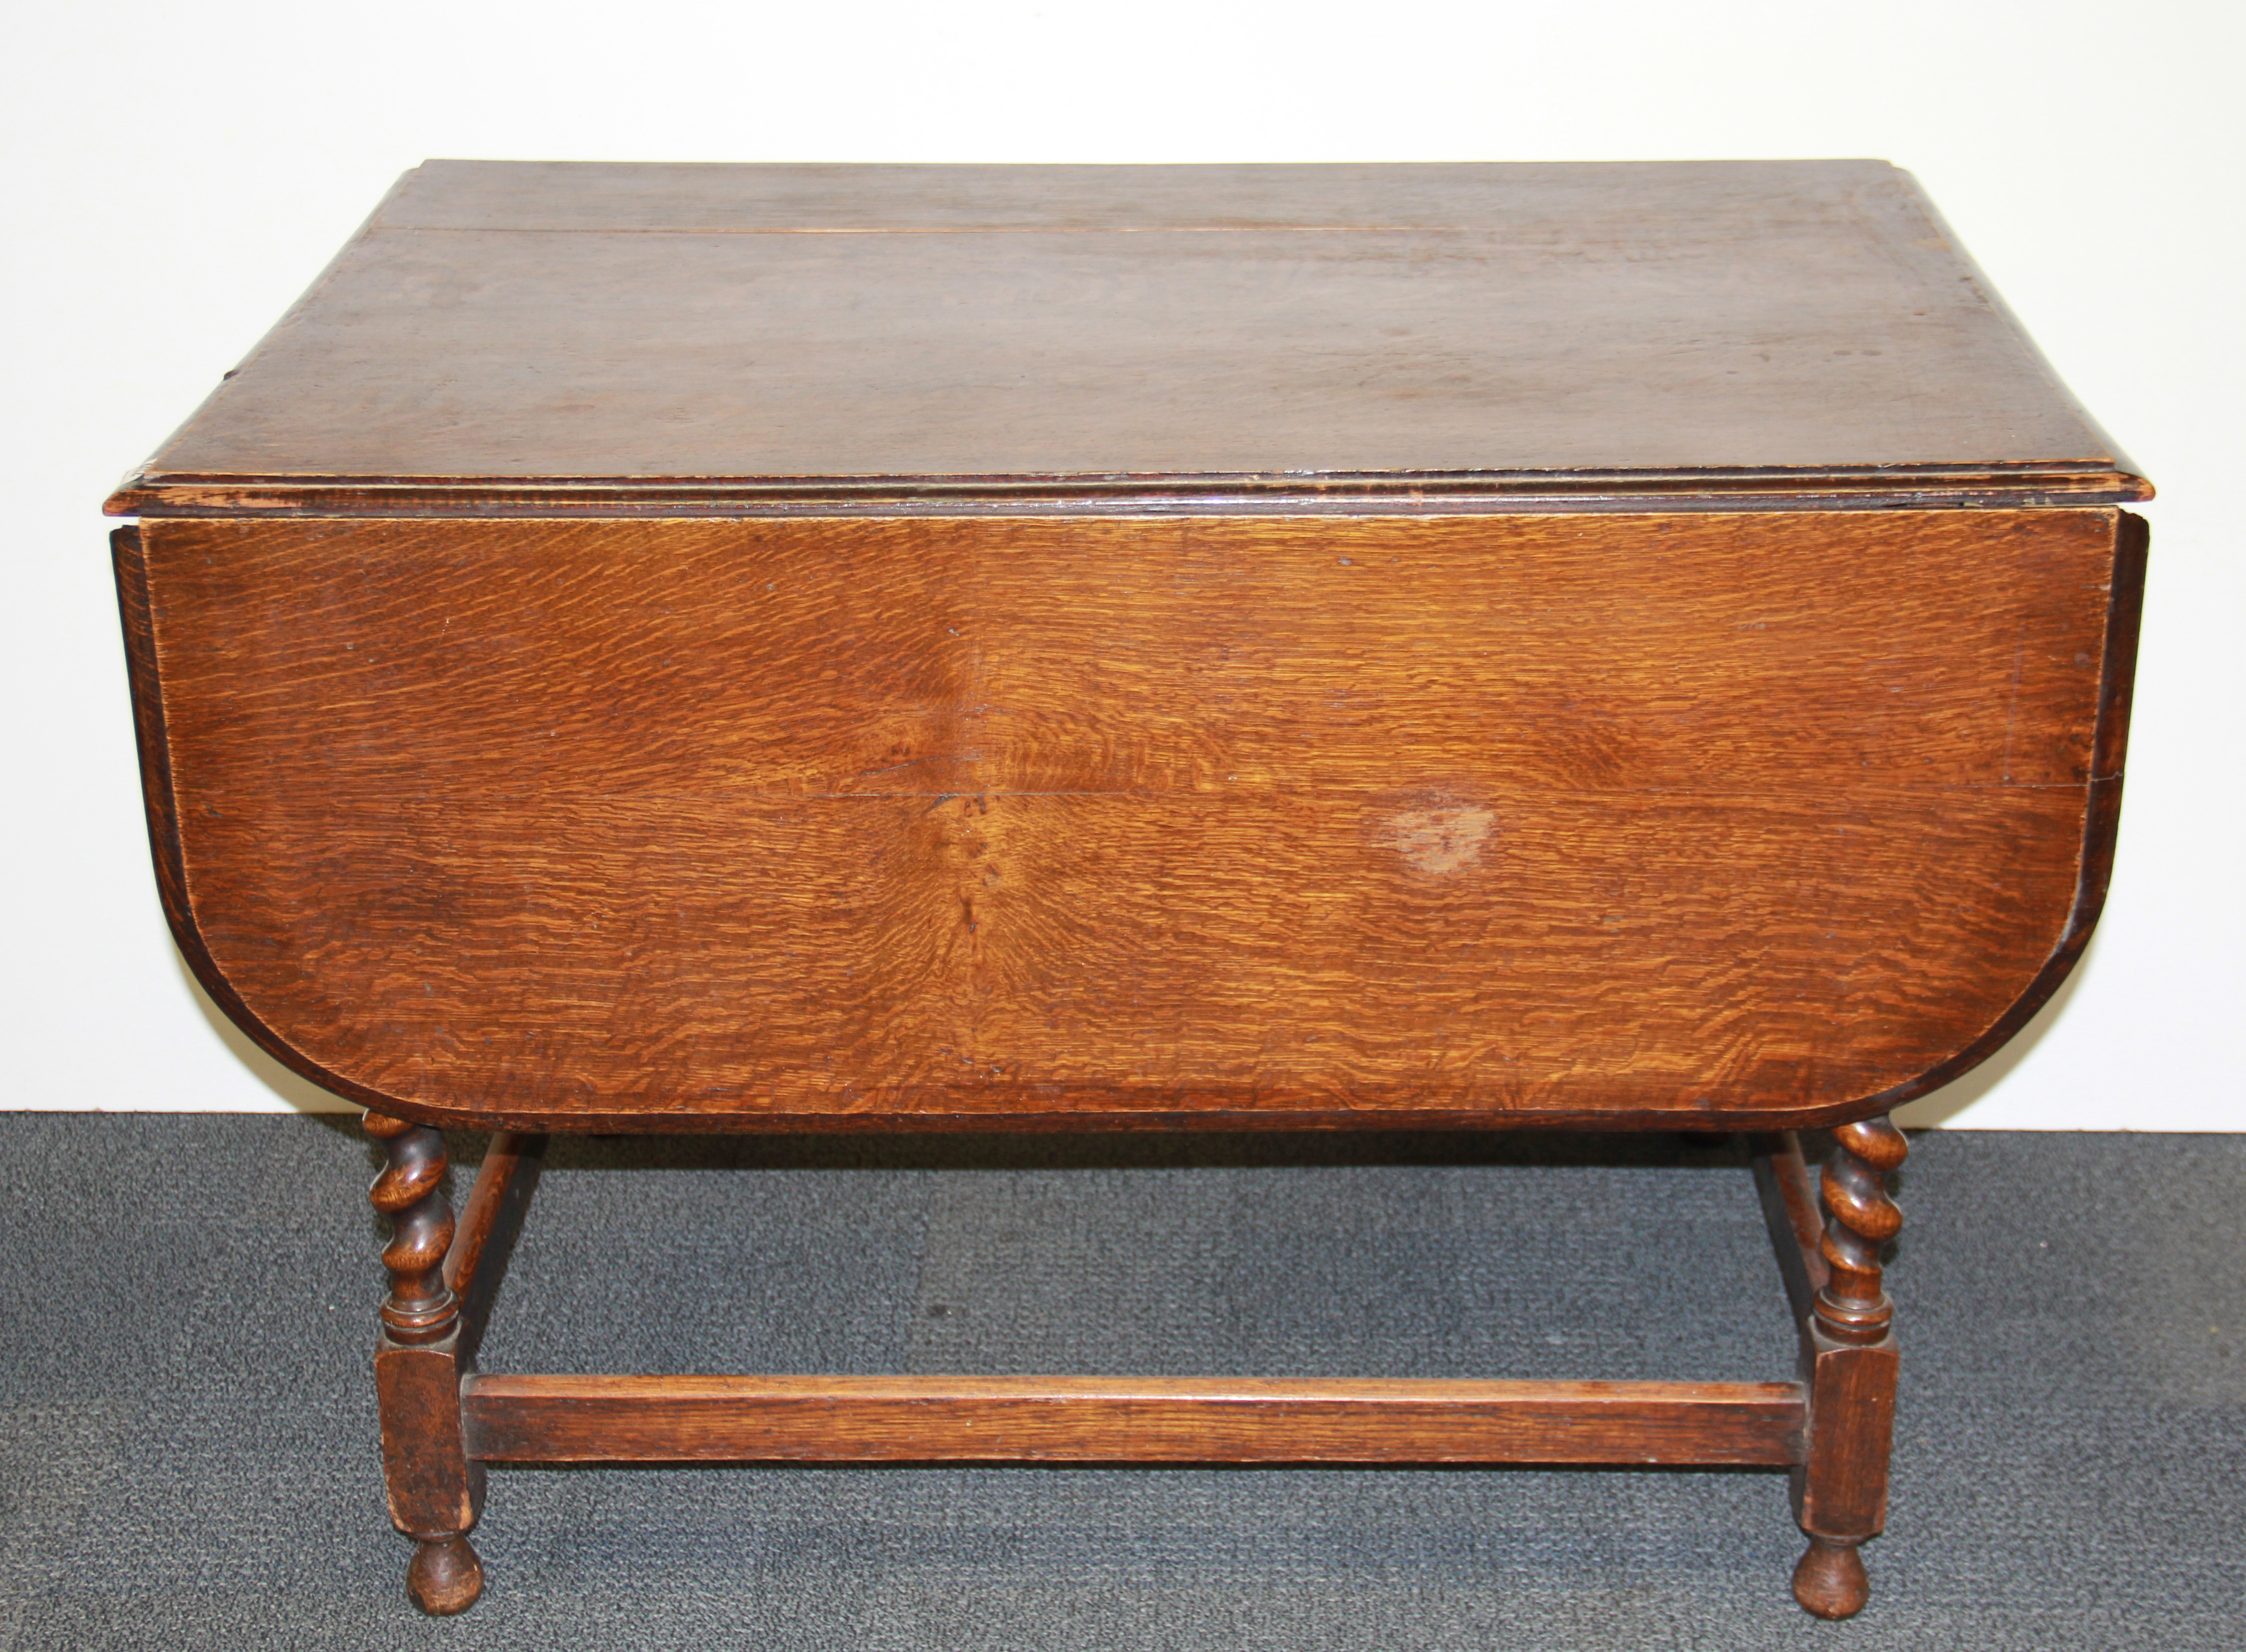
(1830, 1581)
(446, 1577)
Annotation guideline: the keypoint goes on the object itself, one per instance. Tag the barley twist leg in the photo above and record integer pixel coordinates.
(432, 1488)
(1841, 1490)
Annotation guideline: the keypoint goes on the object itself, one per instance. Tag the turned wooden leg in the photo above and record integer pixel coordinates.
(1840, 1493)
(434, 1489)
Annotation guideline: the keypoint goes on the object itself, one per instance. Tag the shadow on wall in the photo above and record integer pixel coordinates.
(1928, 1112)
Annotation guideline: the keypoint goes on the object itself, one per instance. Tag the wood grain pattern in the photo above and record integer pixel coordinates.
(1012, 822)
(745, 647)
(1059, 1419)
(1841, 1490)
(520, 338)
(435, 1489)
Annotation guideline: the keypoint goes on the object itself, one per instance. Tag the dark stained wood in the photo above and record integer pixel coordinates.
(421, 1306)
(435, 1490)
(1636, 646)
(1840, 1493)
(445, 1577)
(1852, 1307)
(1789, 1205)
(1624, 821)
(1892, 487)
(1829, 1581)
(528, 338)
(1841, 1489)
(1849, 1367)
(1090, 1419)
(477, 1261)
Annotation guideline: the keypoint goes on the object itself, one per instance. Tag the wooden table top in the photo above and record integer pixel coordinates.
(813, 648)
(537, 338)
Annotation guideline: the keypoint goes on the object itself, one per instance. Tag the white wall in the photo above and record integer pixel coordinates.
(176, 174)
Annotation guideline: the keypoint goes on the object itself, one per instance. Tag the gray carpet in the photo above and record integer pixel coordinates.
(187, 1459)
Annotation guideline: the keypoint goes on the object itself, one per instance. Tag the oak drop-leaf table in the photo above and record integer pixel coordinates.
(673, 648)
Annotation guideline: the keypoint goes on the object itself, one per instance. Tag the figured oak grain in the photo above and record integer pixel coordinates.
(1524, 819)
